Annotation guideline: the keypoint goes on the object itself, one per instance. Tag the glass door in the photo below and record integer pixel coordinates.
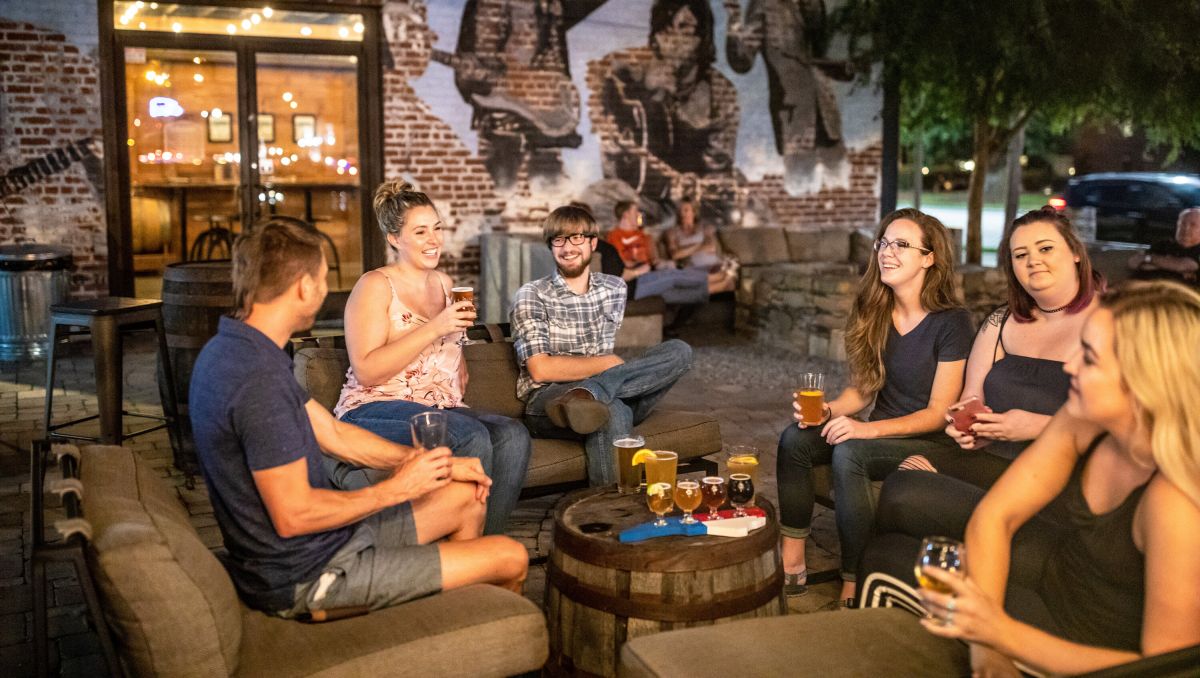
(184, 155)
(308, 160)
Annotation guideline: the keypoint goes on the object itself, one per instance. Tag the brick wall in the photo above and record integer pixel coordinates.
(49, 98)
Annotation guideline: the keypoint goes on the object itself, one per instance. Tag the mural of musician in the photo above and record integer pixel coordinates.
(792, 37)
(511, 65)
(667, 120)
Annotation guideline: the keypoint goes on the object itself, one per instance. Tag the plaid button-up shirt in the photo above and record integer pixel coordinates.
(548, 317)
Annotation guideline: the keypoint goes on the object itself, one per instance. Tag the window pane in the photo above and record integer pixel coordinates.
(259, 22)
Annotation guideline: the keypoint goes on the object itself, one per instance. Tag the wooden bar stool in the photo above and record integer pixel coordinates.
(108, 319)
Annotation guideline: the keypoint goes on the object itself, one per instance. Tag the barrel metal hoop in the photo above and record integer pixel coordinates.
(219, 300)
(645, 606)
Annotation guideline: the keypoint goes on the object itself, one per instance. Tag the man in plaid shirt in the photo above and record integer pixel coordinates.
(564, 327)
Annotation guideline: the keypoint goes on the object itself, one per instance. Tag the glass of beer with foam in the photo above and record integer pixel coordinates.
(458, 294)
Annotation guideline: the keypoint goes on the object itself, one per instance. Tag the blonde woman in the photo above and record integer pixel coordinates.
(402, 335)
(907, 342)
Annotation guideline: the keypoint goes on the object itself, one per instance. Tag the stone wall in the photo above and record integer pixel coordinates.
(804, 304)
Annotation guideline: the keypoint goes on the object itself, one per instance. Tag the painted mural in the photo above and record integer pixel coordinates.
(747, 106)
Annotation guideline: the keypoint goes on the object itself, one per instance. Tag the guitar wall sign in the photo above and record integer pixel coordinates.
(55, 162)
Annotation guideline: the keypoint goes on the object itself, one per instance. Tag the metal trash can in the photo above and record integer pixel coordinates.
(32, 277)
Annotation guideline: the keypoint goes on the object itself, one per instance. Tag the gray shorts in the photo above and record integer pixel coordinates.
(381, 565)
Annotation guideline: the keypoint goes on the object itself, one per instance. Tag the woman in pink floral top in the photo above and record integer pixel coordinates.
(402, 335)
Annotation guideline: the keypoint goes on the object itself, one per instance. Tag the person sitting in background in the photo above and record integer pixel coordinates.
(294, 544)
(640, 256)
(1085, 554)
(907, 340)
(1177, 259)
(402, 334)
(1015, 368)
(690, 245)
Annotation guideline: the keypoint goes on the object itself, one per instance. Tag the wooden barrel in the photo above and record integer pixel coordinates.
(195, 295)
(600, 592)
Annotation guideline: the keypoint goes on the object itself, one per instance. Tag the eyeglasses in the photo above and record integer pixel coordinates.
(574, 239)
(897, 245)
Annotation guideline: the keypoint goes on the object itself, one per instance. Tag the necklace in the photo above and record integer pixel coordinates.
(1053, 310)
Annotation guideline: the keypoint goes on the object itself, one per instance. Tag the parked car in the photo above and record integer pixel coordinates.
(1132, 207)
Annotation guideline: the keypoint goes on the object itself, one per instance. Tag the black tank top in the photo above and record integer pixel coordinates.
(1015, 381)
(1094, 583)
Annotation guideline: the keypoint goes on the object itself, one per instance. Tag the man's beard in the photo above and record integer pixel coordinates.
(574, 272)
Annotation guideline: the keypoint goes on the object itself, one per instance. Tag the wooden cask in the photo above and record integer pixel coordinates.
(195, 295)
(600, 592)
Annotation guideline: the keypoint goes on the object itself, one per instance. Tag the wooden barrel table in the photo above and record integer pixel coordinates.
(195, 295)
(601, 592)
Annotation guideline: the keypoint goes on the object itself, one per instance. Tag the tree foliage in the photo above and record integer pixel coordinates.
(988, 67)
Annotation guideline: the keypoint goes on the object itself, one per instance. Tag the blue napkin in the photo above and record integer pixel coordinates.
(673, 527)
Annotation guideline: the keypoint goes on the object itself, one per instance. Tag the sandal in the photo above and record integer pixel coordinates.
(795, 584)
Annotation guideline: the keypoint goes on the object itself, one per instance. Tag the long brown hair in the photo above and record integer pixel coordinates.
(1091, 282)
(871, 315)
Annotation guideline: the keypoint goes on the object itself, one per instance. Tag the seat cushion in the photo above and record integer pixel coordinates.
(322, 372)
(825, 245)
(172, 607)
(874, 642)
(475, 631)
(492, 378)
(752, 246)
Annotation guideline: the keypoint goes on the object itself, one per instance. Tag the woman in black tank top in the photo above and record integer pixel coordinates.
(1016, 364)
(1122, 578)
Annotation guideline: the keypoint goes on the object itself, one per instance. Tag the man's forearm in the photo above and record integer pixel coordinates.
(559, 368)
(360, 447)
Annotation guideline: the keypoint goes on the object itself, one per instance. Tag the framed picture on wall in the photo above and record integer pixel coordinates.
(220, 129)
(304, 126)
(266, 128)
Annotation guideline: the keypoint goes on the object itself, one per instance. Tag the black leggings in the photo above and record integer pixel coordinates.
(917, 504)
(977, 467)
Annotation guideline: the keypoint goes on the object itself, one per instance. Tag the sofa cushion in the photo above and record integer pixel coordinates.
(172, 607)
(322, 372)
(874, 642)
(492, 378)
(478, 631)
(752, 246)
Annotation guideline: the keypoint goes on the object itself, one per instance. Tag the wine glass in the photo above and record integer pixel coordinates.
(687, 498)
(429, 429)
(713, 489)
(741, 492)
(658, 497)
(941, 552)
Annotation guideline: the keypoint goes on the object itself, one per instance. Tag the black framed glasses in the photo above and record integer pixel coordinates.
(574, 239)
(898, 245)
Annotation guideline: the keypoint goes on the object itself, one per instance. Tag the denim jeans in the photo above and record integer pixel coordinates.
(675, 286)
(630, 390)
(501, 445)
(855, 464)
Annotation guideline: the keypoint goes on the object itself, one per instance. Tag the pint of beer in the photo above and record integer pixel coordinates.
(811, 396)
(629, 475)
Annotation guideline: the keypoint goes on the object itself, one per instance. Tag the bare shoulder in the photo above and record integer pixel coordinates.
(1166, 501)
(446, 281)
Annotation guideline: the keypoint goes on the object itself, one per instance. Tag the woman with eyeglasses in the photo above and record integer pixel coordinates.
(907, 340)
(1015, 367)
(402, 334)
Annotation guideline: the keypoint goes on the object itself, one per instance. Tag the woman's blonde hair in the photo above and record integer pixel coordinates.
(871, 315)
(1156, 334)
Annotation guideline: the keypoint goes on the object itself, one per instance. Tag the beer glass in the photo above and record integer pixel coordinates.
(429, 429)
(658, 497)
(629, 477)
(811, 396)
(942, 552)
(713, 489)
(743, 459)
(458, 294)
(661, 469)
(687, 498)
(741, 492)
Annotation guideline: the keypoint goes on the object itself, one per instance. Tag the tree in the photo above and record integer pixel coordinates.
(993, 65)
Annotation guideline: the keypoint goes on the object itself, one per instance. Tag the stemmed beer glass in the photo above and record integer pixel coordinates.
(941, 552)
(741, 492)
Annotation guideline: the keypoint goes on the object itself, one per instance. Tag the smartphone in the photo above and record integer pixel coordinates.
(964, 413)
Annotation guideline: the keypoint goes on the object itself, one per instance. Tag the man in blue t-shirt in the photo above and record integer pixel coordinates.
(297, 546)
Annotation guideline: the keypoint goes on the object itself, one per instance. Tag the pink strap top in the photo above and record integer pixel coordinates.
(432, 379)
